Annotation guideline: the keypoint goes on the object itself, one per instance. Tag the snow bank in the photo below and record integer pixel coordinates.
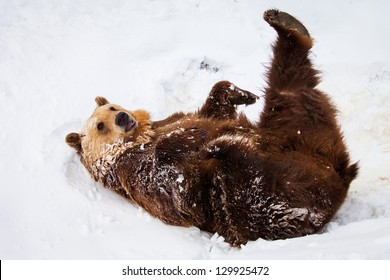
(56, 56)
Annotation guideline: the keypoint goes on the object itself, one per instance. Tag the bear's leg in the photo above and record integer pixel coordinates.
(297, 116)
(291, 100)
(254, 195)
(228, 166)
(222, 100)
(291, 69)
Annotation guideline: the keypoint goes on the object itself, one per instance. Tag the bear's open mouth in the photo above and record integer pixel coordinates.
(130, 125)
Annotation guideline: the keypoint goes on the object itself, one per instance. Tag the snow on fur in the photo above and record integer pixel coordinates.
(56, 56)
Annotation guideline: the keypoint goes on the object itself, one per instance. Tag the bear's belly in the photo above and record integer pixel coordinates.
(162, 190)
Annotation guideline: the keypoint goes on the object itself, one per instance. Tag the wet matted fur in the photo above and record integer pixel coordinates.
(284, 176)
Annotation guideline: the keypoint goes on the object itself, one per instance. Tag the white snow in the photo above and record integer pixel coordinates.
(57, 56)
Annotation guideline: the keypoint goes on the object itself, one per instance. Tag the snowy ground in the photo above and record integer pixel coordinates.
(56, 56)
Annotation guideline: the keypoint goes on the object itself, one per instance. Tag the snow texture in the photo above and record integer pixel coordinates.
(164, 56)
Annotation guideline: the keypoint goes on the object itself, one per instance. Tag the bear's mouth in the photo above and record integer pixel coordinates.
(125, 121)
(130, 125)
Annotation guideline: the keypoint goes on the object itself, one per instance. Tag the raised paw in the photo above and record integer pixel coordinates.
(222, 100)
(284, 21)
(230, 93)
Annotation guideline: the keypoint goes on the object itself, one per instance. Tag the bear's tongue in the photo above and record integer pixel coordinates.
(130, 125)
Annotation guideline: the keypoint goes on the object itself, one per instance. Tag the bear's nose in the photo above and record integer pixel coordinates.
(122, 119)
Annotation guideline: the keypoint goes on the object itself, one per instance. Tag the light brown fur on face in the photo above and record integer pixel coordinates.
(101, 131)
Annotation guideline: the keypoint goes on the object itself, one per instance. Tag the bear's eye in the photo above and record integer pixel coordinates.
(113, 109)
(100, 126)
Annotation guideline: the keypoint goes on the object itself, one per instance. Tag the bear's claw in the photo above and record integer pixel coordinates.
(239, 96)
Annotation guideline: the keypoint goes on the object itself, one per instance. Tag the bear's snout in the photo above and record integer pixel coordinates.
(123, 119)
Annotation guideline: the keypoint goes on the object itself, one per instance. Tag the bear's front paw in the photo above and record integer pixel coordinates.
(238, 96)
(229, 94)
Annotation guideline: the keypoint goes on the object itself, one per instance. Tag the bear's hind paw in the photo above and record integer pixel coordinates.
(284, 21)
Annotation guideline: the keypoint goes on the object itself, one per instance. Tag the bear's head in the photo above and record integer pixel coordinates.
(107, 134)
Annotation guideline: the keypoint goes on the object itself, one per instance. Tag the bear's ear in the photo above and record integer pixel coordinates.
(100, 101)
(74, 140)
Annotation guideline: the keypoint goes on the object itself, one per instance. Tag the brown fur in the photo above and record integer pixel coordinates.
(284, 177)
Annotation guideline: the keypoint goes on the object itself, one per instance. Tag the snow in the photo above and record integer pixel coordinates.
(57, 56)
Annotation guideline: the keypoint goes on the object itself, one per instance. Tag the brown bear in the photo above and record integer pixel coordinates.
(284, 176)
